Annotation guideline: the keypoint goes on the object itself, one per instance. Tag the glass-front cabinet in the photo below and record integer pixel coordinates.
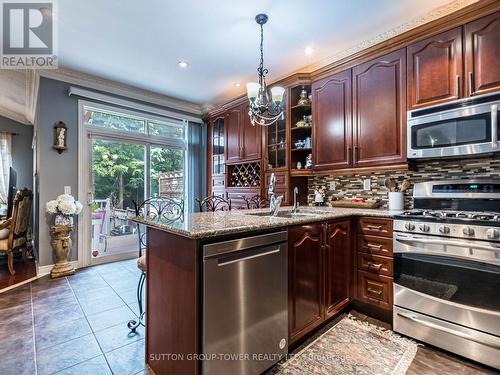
(276, 145)
(218, 142)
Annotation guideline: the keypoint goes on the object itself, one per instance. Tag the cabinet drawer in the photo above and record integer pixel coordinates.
(375, 264)
(376, 226)
(281, 179)
(375, 289)
(375, 245)
(218, 181)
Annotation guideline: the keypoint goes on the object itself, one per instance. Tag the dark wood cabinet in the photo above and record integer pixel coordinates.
(243, 139)
(332, 122)
(482, 46)
(233, 124)
(251, 138)
(305, 279)
(435, 71)
(337, 265)
(319, 274)
(379, 108)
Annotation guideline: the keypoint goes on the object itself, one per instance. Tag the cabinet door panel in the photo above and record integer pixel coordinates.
(305, 264)
(251, 137)
(380, 110)
(482, 46)
(435, 69)
(337, 267)
(233, 142)
(332, 121)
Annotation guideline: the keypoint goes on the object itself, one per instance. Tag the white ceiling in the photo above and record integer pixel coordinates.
(140, 42)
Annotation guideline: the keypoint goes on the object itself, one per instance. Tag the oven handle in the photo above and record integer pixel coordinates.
(449, 243)
(494, 125)
(486, 341)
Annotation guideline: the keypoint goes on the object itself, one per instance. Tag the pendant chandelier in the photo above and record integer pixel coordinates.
(264, 109)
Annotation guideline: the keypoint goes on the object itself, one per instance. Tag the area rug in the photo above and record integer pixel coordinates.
(352, 347)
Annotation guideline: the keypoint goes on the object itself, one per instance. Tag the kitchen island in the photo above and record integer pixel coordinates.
(174, 311)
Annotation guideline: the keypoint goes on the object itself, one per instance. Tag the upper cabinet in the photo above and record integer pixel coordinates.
(243, 140)
(233, 124)
(482, 45)
(435, 73)
(332, 126)
(379, 111)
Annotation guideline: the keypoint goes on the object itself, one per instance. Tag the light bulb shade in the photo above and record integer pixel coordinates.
(253, 90)
(277, 94)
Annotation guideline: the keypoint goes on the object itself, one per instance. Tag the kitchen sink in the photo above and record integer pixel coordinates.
(286, 214)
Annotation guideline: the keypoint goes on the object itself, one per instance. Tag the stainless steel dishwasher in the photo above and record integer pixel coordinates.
(245, 311)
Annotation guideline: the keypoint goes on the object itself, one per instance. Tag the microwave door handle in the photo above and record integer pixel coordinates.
(450, 243)
(494, 125)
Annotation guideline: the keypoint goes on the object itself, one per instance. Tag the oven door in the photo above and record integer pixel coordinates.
(452, 279)
(458, 132)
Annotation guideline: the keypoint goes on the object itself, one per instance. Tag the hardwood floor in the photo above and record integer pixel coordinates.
(25, 270)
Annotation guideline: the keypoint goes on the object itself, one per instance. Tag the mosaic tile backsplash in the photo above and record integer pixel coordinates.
(351, 186)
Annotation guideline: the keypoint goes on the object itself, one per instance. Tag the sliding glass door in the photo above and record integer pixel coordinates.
(130, 158)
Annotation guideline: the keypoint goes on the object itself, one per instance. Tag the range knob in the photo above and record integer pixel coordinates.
(468, 231)
(492, 233)
(444, 229)
(409, 226)
(424, 227)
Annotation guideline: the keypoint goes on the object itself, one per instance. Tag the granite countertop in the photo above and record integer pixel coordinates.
(214, 224)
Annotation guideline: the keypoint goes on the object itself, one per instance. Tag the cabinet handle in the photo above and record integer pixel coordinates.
(372, 246)
(470, 83)
(458, 85)
(349, 151)
(355, 154)
(377, 266)
(375, 227)
(377, 292)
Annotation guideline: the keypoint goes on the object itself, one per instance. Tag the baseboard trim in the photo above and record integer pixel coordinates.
(45, 270)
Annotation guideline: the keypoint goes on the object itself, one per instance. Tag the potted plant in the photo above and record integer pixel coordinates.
(65, 206)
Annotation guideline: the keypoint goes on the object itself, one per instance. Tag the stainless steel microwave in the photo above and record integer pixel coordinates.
(465, 127)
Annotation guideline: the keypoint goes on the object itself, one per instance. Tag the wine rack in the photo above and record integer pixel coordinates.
(244, 175)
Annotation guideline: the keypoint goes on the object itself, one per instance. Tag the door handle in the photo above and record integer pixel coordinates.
(234, 259)
(493, 343)
(494, 125)
(377, 266)
(377, 292)
(470, 83)
(90, 198)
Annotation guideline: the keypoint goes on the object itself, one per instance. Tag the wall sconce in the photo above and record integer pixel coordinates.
(60, 136)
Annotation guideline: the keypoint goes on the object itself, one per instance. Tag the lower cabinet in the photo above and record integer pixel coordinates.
(318, 274)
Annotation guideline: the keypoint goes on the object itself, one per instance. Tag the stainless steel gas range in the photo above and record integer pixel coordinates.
(447, 268)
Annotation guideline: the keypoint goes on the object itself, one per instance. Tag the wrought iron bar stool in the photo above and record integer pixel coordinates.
(162, 210)
(213, 203)
(257, 201)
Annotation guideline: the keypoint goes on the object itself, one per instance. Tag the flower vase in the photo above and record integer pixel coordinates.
(65, 220)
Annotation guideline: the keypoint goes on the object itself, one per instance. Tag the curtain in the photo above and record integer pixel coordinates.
(197, 163)
(5, 164)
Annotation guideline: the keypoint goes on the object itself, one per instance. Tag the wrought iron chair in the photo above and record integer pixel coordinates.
(214, 203)
(166, 211)
(257, 201)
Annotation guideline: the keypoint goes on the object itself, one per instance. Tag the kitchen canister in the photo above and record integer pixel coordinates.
(396, 200)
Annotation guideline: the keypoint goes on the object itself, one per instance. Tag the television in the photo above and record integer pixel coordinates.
(12, 190)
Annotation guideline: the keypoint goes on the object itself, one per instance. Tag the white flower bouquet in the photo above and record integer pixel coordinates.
(64, 207)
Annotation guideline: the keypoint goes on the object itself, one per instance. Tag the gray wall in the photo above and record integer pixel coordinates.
(56, 171)
(22, 152)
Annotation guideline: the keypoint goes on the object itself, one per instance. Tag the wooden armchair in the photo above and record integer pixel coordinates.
(13, 230)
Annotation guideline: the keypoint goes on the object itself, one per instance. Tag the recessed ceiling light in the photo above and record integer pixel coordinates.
(237, 84)
(308, 51)
(183, 64)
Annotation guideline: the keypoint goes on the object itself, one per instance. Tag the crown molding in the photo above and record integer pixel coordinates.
(101, 84)
(32, 85)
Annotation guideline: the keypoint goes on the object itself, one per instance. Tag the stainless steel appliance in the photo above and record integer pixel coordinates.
(447, 268)
(245, 311)
(465, 127)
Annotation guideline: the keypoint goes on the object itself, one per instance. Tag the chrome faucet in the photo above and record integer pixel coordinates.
(274, 200)
(295, 201)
